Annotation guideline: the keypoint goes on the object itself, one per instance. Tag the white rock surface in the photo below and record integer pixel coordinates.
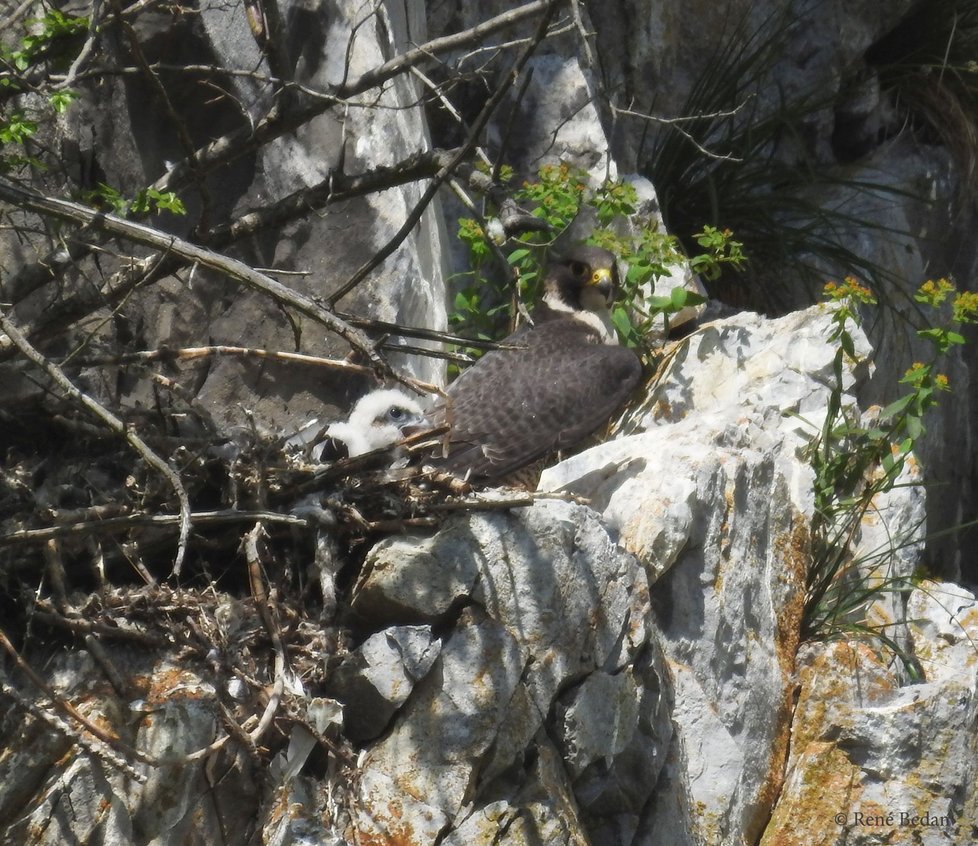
(713, 497)
(555, 617)
(380, 675)
(874, 762)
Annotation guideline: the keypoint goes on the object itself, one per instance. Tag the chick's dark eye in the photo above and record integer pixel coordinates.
(396, 414)
(578, 269)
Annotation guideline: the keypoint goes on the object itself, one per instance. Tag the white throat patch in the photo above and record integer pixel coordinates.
(598, 318)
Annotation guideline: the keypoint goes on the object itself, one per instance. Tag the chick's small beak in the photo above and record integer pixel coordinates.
(603, 281)
(414, 427)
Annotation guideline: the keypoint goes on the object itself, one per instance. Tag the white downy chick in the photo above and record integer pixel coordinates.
(379, 419)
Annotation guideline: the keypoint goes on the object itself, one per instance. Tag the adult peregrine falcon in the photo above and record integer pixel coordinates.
(551, 384)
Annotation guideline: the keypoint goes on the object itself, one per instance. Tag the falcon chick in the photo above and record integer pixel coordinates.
(379, 419)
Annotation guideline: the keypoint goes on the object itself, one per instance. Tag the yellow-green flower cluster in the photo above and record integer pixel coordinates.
(965, 307)
(849, 289)
(934, 292)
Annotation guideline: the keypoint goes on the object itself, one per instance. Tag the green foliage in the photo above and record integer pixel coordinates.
(146, 201)
(106, 196)
(149, 200)
(61, 100)
(558, 196)
(52, 41)
(719, 250)
(49, 39)
(855, 462)
(614, 199)
(17, 128)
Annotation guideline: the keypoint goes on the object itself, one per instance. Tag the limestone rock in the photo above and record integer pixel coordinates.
(555, 617)
(871, 760)
(713, 497)
(380, 675)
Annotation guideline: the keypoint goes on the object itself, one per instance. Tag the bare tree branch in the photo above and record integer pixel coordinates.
(271, 37)
(464, 152)
(336, 188)
(229, 267)
(167, 354)
(115, 424)
(677, 124)
(243, 141)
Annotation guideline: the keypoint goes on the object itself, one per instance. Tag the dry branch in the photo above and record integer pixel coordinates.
(95, 747)
(336, 188)
(231, 268)
(114, 423)
(548, 8)
(170, 354)
(252, 542)
(117, 525)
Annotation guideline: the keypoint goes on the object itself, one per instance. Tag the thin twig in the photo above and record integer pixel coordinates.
(115, 525)
(94, 24)
(677, 124)
(243, 141)
(548, 8)
(93, 746)
(253, 557)
(231, 268)
(172, 354)
(417, 332)
(114, 423)
(335, 188)
(45, 611)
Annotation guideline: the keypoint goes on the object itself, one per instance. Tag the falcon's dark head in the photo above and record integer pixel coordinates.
(584, 279)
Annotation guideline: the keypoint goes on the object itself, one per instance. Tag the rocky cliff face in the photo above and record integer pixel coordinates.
(621, 659)
(627, 671)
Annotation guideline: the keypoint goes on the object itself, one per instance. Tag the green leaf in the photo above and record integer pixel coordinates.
(61, 100)
(677, 298)
(914, 427)
(638, 272)
(659, 303)
(897, 406)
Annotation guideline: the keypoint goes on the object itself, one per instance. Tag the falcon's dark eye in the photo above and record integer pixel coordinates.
(579, 269)
(397, 414)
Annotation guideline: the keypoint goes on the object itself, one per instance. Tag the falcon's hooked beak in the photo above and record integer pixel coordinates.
(600, 291)
(604, 283)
